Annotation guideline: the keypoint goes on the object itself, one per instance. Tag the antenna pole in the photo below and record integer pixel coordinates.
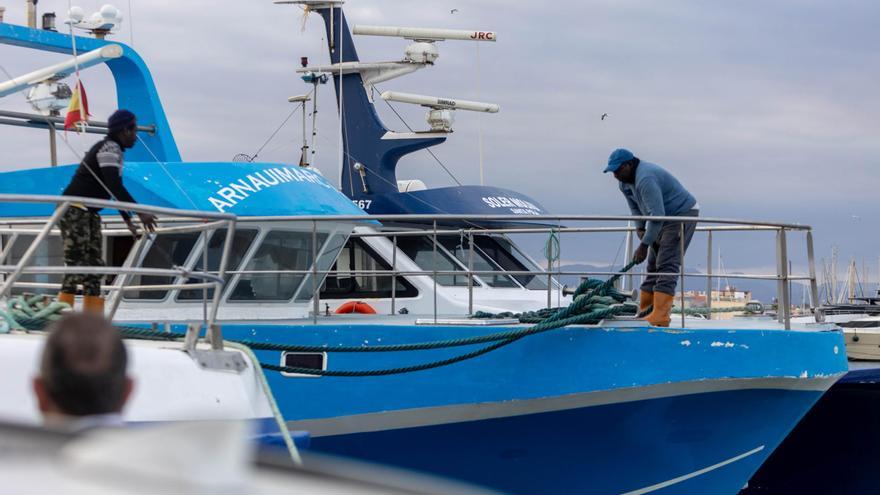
(314, 117)
(305, 146)
(480, 117)
(53, 149)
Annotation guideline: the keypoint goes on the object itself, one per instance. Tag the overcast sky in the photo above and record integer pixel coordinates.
(763, 109)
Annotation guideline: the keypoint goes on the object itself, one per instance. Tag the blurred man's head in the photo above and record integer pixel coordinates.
(122, 126)
(83, 369)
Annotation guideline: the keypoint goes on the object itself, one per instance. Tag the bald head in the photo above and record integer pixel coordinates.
(82, 371)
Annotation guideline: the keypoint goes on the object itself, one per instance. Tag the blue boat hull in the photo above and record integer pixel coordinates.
(579, 409)
(699, 443)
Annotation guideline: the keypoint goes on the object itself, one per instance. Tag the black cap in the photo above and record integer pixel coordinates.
(120, 120)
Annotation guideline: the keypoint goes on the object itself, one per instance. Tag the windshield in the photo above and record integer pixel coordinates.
(280, 251)
(420, 249)
(459, 246)
(241, 241)
(325, 260)
(166, 251)
(506, 255)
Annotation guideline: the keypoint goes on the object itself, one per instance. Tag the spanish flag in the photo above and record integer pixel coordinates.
(78, 109)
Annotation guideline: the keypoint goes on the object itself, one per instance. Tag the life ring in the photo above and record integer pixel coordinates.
(355, 307)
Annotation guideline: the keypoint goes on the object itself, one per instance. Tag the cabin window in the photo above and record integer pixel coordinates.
(356, 256)
(241, 241)
(280, 251)
(49, 253)
(508, 257)
(325, 259)
(167, 251)
(420, 249)
(116, 252)
(459, 246)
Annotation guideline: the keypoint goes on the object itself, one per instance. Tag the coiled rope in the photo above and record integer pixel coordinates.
(30, 312)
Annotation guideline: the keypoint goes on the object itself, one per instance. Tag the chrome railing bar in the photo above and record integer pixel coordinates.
(681, 253)
(32, 249)
(111, 270)
(709, 275)
(463, 273)
(814, 285)
(315, 295)
(470, 273)
(7, 248)
(524, 219)
(123, 279)
(434, 266)
(113, 205)
(783, 265)
(224, 260)
(394, 277)
(154, 287)
(113, 288)
(198, 227)
(205, 238)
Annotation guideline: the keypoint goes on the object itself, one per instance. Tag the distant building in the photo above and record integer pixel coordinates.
(728, 297)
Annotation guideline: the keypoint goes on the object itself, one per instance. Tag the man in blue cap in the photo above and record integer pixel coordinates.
(651, 191)
(99, 176)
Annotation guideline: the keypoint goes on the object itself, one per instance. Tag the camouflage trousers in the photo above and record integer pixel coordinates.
(81, 236)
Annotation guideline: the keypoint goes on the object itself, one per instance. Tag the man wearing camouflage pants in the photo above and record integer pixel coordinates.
(99, 176)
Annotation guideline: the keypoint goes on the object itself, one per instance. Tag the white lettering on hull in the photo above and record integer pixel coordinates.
(237, 191)
(516, 206)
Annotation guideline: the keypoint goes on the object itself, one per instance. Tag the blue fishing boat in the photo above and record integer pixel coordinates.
(607, 406)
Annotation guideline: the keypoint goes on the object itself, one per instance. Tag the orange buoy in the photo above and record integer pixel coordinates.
(356, 307)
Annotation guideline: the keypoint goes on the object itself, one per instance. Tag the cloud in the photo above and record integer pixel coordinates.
(764, 110)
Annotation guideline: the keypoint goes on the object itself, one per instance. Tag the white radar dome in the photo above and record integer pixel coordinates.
(109, 12)
(76, 14)
(422, 53)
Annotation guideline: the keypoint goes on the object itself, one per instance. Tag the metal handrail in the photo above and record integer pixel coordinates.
(115, 205)
(207, 221)
(432, 225)
(522, 219)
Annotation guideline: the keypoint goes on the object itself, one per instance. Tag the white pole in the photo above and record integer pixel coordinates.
(480, 118)
(88, 59)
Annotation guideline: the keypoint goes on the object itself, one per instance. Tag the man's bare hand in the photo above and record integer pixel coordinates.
(149, 221)
(640, 254)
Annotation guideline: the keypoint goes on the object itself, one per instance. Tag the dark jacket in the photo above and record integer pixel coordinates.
(104, 161)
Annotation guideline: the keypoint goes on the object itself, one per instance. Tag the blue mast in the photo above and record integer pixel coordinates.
(135, 90)
(362, 130)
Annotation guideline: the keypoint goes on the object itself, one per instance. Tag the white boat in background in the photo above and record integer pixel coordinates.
(194, 458)
(862, 337)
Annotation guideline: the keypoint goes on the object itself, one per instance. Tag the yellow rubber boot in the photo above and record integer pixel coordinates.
(67, 298)
(660, 316)
(646, 298)
(93, 304)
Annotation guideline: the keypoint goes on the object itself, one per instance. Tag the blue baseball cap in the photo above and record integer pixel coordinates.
(618, 157)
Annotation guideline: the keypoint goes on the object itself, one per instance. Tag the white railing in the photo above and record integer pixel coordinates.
(544, 224)
(181, 220)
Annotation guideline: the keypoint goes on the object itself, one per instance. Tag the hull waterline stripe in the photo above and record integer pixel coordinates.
(688, 476)
(458, 413)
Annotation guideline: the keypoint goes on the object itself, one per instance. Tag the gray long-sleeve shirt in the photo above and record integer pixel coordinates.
(655, 193)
